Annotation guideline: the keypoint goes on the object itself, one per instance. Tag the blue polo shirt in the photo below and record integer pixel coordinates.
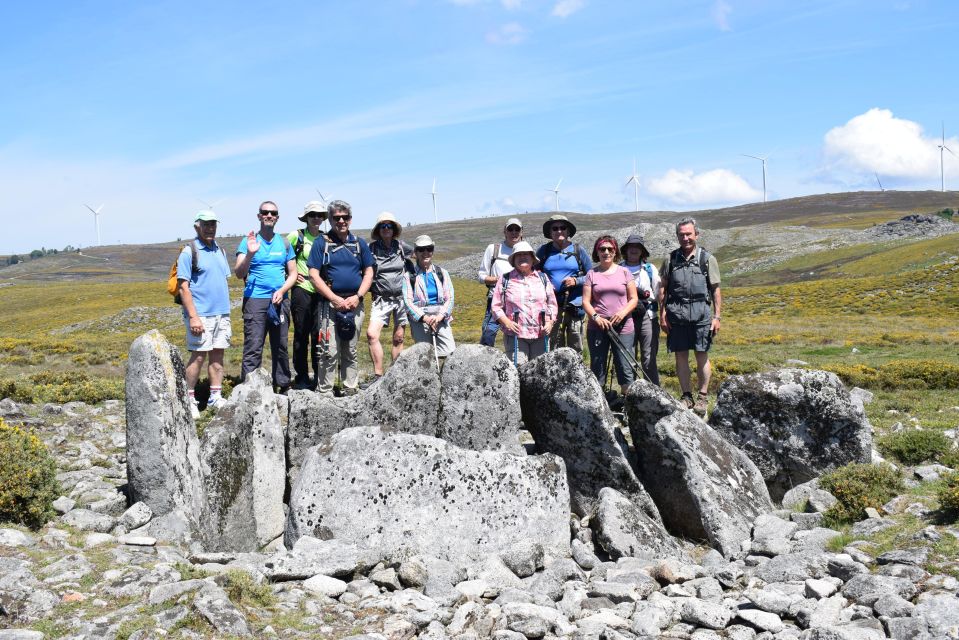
(208, 286)
(345, 261)
(267, 267)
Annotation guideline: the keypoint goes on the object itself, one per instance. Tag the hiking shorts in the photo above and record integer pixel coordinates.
(383, 309)
(217, 332)
(689, 337)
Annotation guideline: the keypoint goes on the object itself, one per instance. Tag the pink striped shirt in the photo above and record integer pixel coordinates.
(530, 297)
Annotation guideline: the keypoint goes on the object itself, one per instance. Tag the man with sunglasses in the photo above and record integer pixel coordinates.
(304, 299)
(566, 264)
(341, 269)
(265, 261)
(495, 265)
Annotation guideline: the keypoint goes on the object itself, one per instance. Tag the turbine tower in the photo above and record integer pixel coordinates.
(96, 219)
(433, 193)
(879, 181)
(763, 160)
(635, 180)
(555, 191)
(942, 171)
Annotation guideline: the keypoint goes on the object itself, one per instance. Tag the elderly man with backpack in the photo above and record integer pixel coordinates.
(495, 265)
(304, 299)
(566, 264)
(201, 285)
(690, 287)
(341, 269)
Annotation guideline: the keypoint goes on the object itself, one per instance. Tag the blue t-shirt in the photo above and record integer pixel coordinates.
(432, 289)
(559, 265)
(344, 270)
(208, 287)
(267, 267)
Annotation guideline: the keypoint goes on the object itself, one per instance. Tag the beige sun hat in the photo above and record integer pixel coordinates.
(522, 247)
(558, 217)
(313, 206)
(386, 216)
(423, 241)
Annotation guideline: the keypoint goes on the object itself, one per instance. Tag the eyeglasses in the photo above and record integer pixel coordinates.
(606, 250)
(275, 214)
(424, 249)
(558, 228)
(341, 218)
(315, 214)
(387, 225)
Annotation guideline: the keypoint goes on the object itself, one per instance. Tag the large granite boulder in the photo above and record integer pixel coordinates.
(244, 463)
(566, 412)
(479, 400)
(393, 492)
(705, 487)
(795, 424)
(622, 529)
(163, 453)
(406, 399)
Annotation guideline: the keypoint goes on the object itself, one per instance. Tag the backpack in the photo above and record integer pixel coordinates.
(411, 272)
(576, 250)
(542, 277)
(300, 240)
(172, 286)
(352, 243)
(703, 266)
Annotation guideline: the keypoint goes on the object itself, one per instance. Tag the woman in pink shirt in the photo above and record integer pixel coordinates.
(609, 297)
(524, 304)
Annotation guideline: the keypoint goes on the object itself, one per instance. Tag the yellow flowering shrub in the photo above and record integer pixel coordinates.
(28, 484)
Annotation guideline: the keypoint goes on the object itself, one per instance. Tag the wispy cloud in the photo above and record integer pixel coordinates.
(566, 8)
(717, 186)
(509, 5)
(509, 33)
(721, 10)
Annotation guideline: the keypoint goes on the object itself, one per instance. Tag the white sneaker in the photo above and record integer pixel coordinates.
(214, 401)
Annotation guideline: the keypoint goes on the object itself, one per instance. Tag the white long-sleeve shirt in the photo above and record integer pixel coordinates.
(497, 265)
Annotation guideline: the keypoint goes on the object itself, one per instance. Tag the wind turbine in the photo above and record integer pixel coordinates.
(433, 193)
(325, 201)
(879, 181)
(209, 205)
(764, 172)
(555, 191)
(635, 180)
(942, 171)
(96, 219)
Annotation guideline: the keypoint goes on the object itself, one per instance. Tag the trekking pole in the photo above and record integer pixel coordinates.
(436, 355)
(542, 326)
(630, 359)
(561, 335)
(516, 339)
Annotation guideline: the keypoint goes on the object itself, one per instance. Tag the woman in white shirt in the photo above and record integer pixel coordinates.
(645, 317)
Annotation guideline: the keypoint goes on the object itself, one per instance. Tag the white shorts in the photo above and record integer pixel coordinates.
(383, 309)
(217, 332)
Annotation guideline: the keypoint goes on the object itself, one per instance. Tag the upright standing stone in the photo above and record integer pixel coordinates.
(245, 467)
(704, 486)
(795, 424)
(163, 461)
(566, 412)
(479, 401)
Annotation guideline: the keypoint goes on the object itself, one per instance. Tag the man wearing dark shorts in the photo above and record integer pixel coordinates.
(690, 286)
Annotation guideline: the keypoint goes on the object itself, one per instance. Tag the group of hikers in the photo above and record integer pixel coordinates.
(539, 299)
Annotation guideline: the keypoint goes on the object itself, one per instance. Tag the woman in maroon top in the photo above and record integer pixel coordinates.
(609, 297)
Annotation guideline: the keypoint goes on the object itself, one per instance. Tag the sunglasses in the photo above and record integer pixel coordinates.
(424, 249)
(558, 228)
(606, 250)
(341, 218)
(315, 214)
(513, 229)
(388, 225)
(275, 214)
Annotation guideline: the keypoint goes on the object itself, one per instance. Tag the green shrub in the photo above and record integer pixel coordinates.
(242, 588)
(914, 446)
(858, 486)
(948, 493)
(950, 459)
(28, 483)
(60, 387)
(899, 374)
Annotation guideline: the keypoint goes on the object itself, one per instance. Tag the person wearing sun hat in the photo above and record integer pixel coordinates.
(646, 314)
(494, 265)
(390, 254)
(428, 296)
(304, 298)
(524, 305)
(566, 264)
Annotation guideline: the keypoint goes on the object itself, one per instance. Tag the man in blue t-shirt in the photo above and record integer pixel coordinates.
(341, 269)
(265, 261)
(206, 306)
(566, 264)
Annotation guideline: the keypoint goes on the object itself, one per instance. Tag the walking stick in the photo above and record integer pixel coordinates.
(542, 324)
(516, 339)
(436, 355)
(630, 358)
(561, 335)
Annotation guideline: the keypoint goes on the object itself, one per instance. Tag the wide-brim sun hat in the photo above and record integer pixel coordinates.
(522, 247)
(423, 241)
(636, 239)
(386, 216)
(313, 206)
(557, 217)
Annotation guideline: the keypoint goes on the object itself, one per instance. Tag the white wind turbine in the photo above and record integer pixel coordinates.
(325, 201)
(879, 182)
(555, 191)
(635, 180)
(96, 219)
(433, 193)
(209, 205)
(763, 160)
(942, 171)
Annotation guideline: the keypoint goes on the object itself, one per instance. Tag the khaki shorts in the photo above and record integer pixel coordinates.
(383, 309)
(217, 333)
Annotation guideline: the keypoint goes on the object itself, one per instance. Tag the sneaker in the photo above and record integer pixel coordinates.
(370, 381)
(702, 403)
(687, 401)
(214, 402)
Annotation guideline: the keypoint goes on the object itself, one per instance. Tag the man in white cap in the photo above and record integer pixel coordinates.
(494, 266)
(202, 270)
(304, 298)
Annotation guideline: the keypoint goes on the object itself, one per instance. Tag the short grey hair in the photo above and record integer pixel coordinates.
(684, 222)
(340, 206)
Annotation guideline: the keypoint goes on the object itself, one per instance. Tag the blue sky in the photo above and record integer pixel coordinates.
(149, 107)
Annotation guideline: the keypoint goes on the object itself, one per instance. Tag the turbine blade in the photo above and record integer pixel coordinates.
(559, 183)
(949, 150)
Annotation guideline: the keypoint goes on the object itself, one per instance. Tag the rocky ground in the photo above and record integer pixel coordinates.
(92, 573)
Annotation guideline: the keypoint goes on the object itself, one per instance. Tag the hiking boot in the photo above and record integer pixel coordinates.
(370, 381)
(300, 385)
(702, 403)
(687, 401)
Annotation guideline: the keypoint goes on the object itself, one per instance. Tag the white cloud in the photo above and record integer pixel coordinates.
(511, 5)
(877, 141)
(710, 187)
(721, 10)
(509, 33)
(566, 8)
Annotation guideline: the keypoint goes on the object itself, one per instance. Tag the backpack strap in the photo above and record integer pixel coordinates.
(194, 259)
(493, 258)
(300, 240)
